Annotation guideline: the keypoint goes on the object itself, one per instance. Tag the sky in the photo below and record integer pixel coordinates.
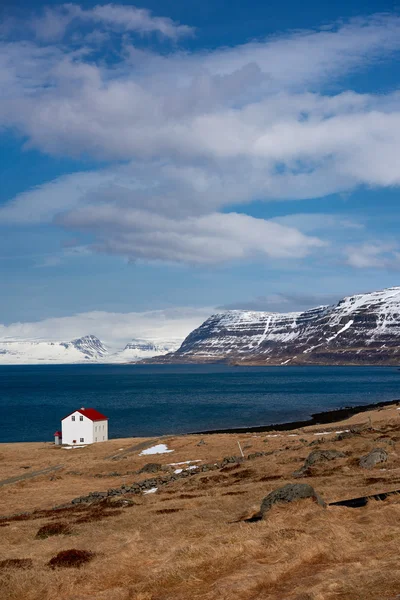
(165, 160)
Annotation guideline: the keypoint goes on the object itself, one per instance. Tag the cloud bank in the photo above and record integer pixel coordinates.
(115, 329)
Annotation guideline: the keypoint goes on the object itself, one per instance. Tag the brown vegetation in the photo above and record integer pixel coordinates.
(71, 558)
(16, 563)
(53, 529)
(187, 540)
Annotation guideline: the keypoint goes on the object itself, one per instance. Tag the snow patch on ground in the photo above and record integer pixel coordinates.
(159, 449)
(151, 491)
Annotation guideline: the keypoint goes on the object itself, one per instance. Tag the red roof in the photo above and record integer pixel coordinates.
(90, 413)
(58, 433)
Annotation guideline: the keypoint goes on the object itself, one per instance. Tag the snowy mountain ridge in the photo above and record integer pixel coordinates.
(81, 350)
(359, 329)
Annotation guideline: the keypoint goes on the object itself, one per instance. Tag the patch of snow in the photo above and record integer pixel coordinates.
(159, 449)
(185, 462)
(347, 326)
(151, 491)
(177, 471)
(323, 433)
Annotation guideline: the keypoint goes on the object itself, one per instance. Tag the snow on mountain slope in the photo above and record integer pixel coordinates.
(87, 348)
(140, 349)
(364, 328)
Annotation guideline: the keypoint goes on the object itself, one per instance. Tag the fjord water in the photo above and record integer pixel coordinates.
(146, 400)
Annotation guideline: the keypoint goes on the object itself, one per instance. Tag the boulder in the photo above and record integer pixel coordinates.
(376, 456)
(317, 456)
(288, 493)
(151, 468)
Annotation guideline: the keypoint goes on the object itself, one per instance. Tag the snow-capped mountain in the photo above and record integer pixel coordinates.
(140, 349)
(360, 329)
(82, 350)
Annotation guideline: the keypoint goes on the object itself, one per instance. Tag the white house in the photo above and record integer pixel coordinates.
(84, 426)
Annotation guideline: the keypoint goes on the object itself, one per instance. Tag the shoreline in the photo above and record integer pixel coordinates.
(320, 418)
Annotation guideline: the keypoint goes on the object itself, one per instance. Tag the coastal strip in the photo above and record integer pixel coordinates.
(322, 418)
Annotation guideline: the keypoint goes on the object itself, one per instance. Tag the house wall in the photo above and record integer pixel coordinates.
(74, 430)
(100, 431)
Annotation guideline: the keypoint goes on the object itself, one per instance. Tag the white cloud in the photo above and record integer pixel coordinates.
(197, 133)
(115, 329)
(52, 24)
(211, 238)
(374, 255)
(311, 222)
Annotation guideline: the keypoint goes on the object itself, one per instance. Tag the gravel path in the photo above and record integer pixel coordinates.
(29, 475)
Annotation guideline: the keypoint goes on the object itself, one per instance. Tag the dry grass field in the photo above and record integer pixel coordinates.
(188, 540)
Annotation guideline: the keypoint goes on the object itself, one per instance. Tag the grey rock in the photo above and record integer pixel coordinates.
(317, 442)
(345, 435)
(317, 456)
(151, 468)
(289, 493)
(376, 456)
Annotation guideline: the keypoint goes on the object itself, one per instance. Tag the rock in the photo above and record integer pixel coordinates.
(289, 493)
(385, 440)
(317, 442)
(317, 456)
(376, 456)
(151, 468)
(201, 443)
(345, 435)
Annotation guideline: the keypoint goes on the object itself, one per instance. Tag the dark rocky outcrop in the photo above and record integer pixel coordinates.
(376, 456)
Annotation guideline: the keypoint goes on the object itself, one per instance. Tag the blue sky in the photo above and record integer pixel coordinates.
(167, 159)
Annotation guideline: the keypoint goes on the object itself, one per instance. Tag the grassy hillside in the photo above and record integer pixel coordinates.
(189, 539)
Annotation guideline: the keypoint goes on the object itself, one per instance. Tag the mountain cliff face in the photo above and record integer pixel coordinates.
(360, 329)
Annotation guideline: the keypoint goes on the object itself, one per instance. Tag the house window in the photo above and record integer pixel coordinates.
(73, 418)
(81, 418)
(81, 439)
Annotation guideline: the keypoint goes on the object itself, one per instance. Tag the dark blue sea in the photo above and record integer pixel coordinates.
(147, 400)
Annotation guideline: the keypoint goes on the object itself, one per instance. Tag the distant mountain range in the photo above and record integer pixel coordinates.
(358, 330)
(82, 350)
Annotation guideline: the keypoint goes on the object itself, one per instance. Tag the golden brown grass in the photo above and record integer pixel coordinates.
(187, 540)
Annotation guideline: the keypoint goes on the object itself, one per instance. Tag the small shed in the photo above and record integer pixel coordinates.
(84, 426)
(58, 438)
